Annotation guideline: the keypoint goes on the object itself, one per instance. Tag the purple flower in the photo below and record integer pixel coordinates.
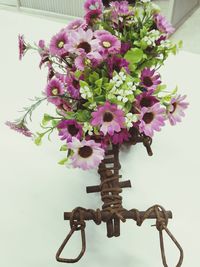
(71, 83)
(92, 16)
(99, 33)
(163, 25)
(20, 128)
(68, 129)
(109, 118)
(57, 44)
(41, 44)
(149, 79)
(121, 137)
(125, 47)
(76, 24)
(117, 63)
(120, 9)
(22, 46)
(87, 154)
(82, 42)
(54, 90)
(91, 5)
(146, 99)
(160, 39)
(109, 43)
(151, 119)
(64, 107)
(176, 109)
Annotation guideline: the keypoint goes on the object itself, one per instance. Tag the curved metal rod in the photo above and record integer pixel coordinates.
(60, 250)
(175, 242)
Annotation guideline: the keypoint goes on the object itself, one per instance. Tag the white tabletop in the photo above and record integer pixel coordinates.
(35, 190)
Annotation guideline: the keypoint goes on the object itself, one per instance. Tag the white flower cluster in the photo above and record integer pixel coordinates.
(87, 128)
(86, 92)
(151, 37)
(145, 1)
(120, 91)
(130, 119)
(166, 44)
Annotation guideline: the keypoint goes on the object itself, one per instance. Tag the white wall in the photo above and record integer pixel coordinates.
(9, 2)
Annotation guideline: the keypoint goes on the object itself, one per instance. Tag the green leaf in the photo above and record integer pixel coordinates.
(77, 73)
(100, 98)
(160, 88)
(83, 115)
(38, 139)
(54, 123)
(135, 55)
(63, 148)
(70, 115)
(63, 161)
(180, 44)
(46, 119)
(99, 82)
(83, 83)
(93, 77)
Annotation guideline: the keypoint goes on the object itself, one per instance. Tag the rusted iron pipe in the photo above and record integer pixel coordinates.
(97, 188)
(105, 215)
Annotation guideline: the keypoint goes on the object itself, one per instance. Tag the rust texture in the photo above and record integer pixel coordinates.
(113, 212)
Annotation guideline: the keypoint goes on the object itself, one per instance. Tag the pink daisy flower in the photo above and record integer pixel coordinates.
(176, 109)
(151, 119)
(125, 47)
(71, 83)
(121, 137)
(145, 99)
(57, 44)
(120, 9)
(93, 5)
(109, 43)
(117, 63)
(85, 60)
(63, 107)
(87, 154)
(149, 79)
(68, 129)
(54, 90)
(109, 118)
(22, 46)
(99, 33)
(20, 128)
(82, 42)
(76, 24)
(92, 16)
(163, 25)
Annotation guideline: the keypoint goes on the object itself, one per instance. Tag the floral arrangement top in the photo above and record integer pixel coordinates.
(103, 80)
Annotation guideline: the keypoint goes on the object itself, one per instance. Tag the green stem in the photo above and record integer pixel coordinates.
(31, 108)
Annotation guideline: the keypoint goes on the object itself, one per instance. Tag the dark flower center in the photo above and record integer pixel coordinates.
(72, 129)
(108, 117)
(60, 44)
(148, 117)
(85, 46)
(146, 102)
(75, 83)
(174, 107)
(147, 81)
(85, 151)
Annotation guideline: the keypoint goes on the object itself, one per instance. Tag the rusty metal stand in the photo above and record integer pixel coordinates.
(112, 210)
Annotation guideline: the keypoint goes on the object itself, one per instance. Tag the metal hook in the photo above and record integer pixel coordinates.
(73, 229)
(175, 242)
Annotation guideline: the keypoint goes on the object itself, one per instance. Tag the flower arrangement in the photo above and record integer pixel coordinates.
(103, 80)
